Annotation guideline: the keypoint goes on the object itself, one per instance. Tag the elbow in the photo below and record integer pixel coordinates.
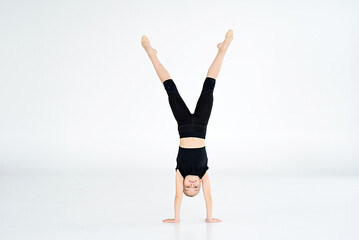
(179, 195)
(208, 198)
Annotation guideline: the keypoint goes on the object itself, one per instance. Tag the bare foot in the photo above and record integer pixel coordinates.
(147, 46)
(228, 39)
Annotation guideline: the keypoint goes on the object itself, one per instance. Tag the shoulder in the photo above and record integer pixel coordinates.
(178, 174)
(179, 184)
(205, 176)
(206, 186)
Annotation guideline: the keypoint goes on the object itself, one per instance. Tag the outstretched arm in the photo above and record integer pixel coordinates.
(208, 198)
(178, 199)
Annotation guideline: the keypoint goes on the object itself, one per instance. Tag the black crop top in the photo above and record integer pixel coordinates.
(192, 161)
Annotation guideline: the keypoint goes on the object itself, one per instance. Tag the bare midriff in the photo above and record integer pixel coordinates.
(192, 142)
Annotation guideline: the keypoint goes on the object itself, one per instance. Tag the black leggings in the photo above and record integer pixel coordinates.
(199, 119)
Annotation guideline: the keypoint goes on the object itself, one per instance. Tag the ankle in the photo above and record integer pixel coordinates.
(222, 49)
(151, 53)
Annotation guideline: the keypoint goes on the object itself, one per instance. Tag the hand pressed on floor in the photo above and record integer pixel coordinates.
(171, 220)
(213, 220)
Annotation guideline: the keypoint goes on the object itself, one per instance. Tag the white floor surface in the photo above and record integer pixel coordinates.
(111, 206)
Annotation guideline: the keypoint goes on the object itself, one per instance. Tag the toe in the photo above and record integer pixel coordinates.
(229, 33)
(144, 39)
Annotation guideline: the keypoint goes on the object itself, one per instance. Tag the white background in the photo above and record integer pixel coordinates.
(78, 91)
(78, 94)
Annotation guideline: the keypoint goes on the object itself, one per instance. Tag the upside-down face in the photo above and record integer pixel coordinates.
(191, 185)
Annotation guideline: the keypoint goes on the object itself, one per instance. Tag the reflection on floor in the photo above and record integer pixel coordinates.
(100, 206)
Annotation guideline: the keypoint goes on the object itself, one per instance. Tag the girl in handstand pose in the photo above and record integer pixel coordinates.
(191, 169)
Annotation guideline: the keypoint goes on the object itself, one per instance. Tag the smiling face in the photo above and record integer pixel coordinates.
(191, 185)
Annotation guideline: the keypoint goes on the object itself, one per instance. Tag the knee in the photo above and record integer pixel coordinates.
(209, 84)
(170, 86)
